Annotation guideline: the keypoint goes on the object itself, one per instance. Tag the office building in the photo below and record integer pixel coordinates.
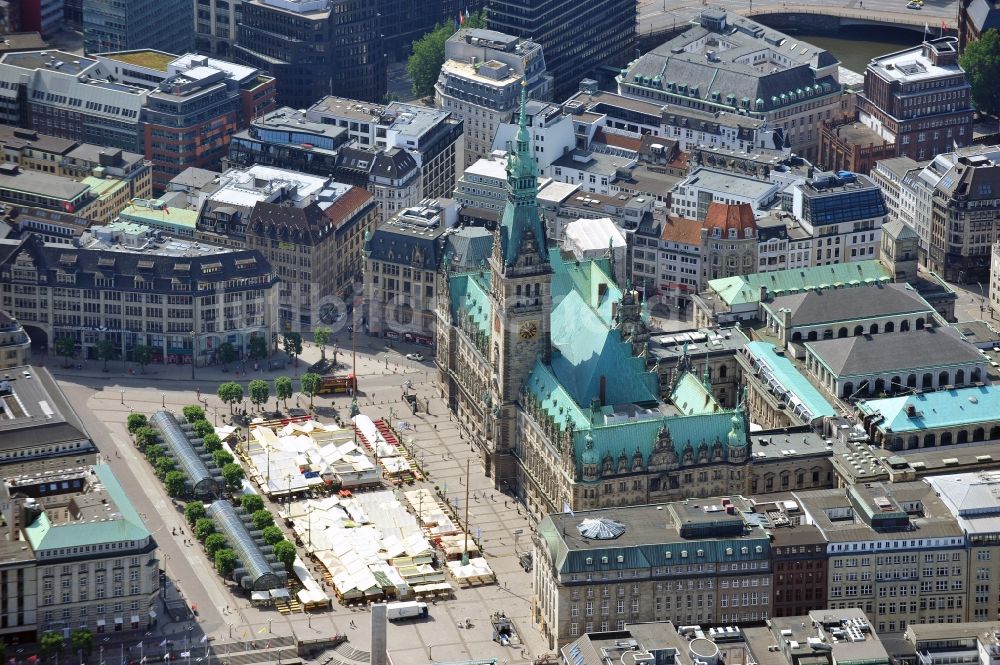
(286, 139)
(433, 137)
(405, 21)
(600, 569)
(577, 39)
(481, 81)
(842, 215)
(138, 295)
(93, 565)
(694, 194)
(176, 111)
(314, 48)
(402, 257)
(216, 23)
(42, 16)
(744, 71)
(918, 99)
(137, 24)
(895, 552)
(728, 240)
(15, 345)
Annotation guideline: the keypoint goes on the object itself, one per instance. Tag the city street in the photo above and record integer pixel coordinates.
(104, 401)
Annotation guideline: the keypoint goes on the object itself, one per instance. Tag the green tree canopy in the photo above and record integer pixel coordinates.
(204, 528)
(230, 393)
(257, 349)
(174, 483)
(233, 475)
(260, 391)
(50, 644)
(293, 344)
(154, 452)
(193, 413)
(284, 552)
(203, 428)
(214, 543)
(424, 65)
(221, 458)
(225, 562)
(194, 511)
(145, 436)
(310, 384)
(262, 519)
(227, 353)
(251, 503)
(82, 640)
(212, 443)
(283, 389)
(163, 466)
(136, 421)
(65, 347)
(272, 534)
(321, 336)
(143, 355)
(106, 351)
(981, 62)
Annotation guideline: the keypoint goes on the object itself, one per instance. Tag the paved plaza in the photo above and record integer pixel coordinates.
(104, 401)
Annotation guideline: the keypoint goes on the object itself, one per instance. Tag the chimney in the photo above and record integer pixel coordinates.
(763, 293)
(603, 394)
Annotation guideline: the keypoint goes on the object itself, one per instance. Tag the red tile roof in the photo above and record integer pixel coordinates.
(683, 230)
(349, 203)
(725, 216)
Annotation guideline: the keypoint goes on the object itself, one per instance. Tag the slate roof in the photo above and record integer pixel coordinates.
(159, 269)
(725, 75)
(421, 248)
(943, 408)
(38, 428)
(899, 230)
(194, 178)
(913, 351)
(834, 305)
(302, 226)
(469, 247)
(984, 15)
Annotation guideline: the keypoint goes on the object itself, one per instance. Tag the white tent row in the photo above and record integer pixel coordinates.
(311, 593)
(476, 568)
(432, 516)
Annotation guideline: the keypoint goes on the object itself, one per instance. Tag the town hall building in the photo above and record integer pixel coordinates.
(543, 360)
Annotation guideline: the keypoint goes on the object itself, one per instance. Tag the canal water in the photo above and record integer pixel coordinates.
(856, 45)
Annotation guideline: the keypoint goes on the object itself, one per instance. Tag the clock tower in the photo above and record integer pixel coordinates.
(521, 299)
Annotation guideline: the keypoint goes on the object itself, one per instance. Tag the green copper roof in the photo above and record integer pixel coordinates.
(943, 408)
(790, 379)
(692, 397)
(521, 218)
(122, 524)
(470, 293)
(586, 346)
(745, 289)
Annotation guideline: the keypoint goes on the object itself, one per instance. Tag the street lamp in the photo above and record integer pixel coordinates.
(122, 395)
(163, 400)
(194, 351)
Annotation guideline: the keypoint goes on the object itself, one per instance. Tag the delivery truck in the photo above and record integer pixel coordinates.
(405, 610)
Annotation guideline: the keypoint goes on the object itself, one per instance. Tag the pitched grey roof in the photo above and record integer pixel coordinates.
(895, 352)
(984, 15)
(469, 247)
(898, 229)
(834, 305)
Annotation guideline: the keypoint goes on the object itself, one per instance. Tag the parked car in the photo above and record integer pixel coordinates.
(414, 356)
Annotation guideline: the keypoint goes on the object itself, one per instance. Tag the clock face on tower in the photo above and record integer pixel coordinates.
(528, 330)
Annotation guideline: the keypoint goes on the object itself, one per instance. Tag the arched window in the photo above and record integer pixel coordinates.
(842, 332)
(873, 330)
(963, 436)
(979, 434)
(946, 439)
(904, 325)
(928, 380)
(848, 389)
(959, 377)
(929, 441)
(920, 324)
(943, 379)
(812, 336)
(911, 381)
(977, 375)
(859, 330)
(723, 371)
(895, 384)
(890, 327)
(796, 336)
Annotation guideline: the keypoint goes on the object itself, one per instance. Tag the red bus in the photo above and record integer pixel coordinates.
(337, 384)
